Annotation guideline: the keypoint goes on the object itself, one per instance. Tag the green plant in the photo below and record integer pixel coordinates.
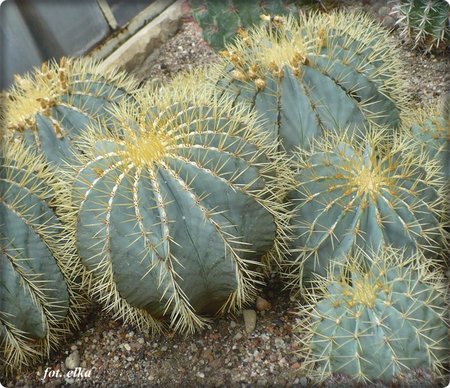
(362, 195)
(173, 215)
(427, 22)
(222, 20)
(377, 322)
(49, 107)
(430, 127)
(40, 298)
(321, 73)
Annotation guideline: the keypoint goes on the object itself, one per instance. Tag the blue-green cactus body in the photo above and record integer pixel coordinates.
(377, 324)
(51, 107)
(351, 196)
(169, 222)
(38, 295)
(315, 76)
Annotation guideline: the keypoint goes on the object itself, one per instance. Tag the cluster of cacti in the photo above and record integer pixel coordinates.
(49, 107)
(170, 199)
(39, 297)
(378, 322)
(426, 22)
(360, 194)
(173, 216)
(316, 74)
(222, 20)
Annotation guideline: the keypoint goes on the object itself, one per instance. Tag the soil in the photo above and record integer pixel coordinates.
(113, 354)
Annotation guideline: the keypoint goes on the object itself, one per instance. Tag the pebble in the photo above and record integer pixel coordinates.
(238, 336)
(233, 324)
(201, 375)
(127, 347)
(249, 320)
(303, 381)
(73, 360)
(262, 304)
(279, 343)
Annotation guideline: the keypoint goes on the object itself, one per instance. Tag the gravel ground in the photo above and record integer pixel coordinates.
(227, 353)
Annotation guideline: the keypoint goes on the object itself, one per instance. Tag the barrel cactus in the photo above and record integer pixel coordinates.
(222, 20)
(49, 107)
(362, 195)
(426, 22)
(430, 127)
(173, 215)
(317, 74)
(376, 323)
(40, 297)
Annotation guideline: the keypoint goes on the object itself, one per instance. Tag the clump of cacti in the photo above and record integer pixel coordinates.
(49, 107)
(315, 74)
(222, 20)
(362, 194)
(172, 216)
(426, 22)
(40, 298)
(376, 323)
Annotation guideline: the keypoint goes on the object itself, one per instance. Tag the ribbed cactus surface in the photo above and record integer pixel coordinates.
(426, 22)
(362, 195)
(39, 296)
(173, 216)
(49, 107)
(321, 73)
(376, 324)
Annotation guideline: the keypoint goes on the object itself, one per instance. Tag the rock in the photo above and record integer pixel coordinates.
(262, 304)
(388, 22)
(303, 381)
(233, 324)
(249, 320)
(127, 347)
(238, 336)
(279, 343)
(73, 360)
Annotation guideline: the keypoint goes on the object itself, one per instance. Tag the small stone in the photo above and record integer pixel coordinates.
(233, 324)
(249, 320)
(73, 360)
(193, 348)
(69, 380)
(164, 349)
(201, 375)
(127, 347)
(279, 343)
(238, 336)
(262, 304)
(388, 22)
(303, 381)
(295, 365)
(73, 348)
(141, 341)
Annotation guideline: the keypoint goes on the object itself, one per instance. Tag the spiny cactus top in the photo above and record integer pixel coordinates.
(365, 195)
(173, 215)
(378, 323)
(49, 107)
(317, 74)
(427, 22)
(39, 298)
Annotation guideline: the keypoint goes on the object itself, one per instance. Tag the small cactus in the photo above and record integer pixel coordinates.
(221, 21)
(40, 298)
(173, 215)
(49, 107)
(426, 22)
(321, 73)
(376, 322)
(362, 194)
